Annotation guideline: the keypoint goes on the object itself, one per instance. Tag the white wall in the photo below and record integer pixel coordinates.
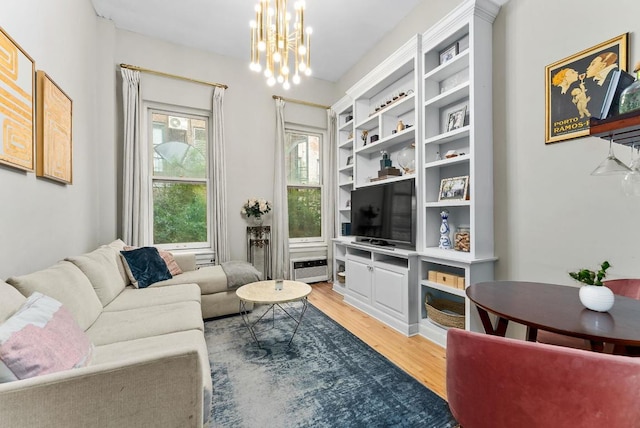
(551, 215)
(249, 111)
(41, 221)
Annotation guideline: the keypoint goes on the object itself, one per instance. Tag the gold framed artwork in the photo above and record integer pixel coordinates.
(17, 90)
(454, 189)
(575, 88)
(54, 146)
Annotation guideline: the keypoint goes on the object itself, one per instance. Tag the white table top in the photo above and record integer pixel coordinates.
(265, 292)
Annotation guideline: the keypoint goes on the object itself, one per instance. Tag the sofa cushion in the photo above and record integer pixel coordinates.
(119, 245)
(117, 326)
(145, 266)
(169, 260)
(101, 267)
(210, 279)
(132, 298)
(239, 273)
(66, 283)
(40, 338)
(10, 301)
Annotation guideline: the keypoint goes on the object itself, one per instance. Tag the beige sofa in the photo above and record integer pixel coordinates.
(150, 363)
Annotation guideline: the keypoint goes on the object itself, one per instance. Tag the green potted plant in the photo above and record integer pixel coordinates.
(593, 294)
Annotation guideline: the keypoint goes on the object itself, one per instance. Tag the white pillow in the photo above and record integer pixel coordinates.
(41, 337)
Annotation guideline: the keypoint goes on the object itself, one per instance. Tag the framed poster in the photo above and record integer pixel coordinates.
(454, 189)
(17, 90)
(575, 88)
(54, 144)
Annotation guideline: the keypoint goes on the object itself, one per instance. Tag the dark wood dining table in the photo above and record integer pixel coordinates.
(557, 308)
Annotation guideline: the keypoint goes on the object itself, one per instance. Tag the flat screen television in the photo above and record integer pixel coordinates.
(385, 214)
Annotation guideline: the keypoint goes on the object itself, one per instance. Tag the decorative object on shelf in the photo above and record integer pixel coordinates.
(348, 118)
(455, 120)
(630, 97)
(385, 162)
(594, 295)
(631, 180)
(350, 136)
(386, 168)
(272, 39)
(462, 239)
(396, 97)
(54, 148)
(444, 312)
(577, 84)
(451, 154)
(611, 165)
(454, 189)
(445, 240)
(438, 157)
(449, 53)
(407, 159)
(342, 276)
(350, 160)
(374, 138)
(363, 137)
(255, 209)
(18, 85)
(620, 80)
(400, 126)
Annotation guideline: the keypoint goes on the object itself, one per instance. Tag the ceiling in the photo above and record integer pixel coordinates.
(343, 30)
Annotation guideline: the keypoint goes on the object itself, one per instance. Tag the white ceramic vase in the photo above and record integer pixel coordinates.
(596, 297)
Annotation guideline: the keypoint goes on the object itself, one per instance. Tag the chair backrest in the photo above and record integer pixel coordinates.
(625, 287)
(500, 382)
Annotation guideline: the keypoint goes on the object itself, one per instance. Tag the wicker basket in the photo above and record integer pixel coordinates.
(342, 277)
(445, 312)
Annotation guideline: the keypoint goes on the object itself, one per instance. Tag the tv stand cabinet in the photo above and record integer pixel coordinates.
(383, 283)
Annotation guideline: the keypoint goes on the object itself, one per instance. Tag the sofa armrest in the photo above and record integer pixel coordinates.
(156, 390)
(186, 261)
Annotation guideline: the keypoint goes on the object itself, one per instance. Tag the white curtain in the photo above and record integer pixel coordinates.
(218, 178)
(329, 203)
(135, 207)
(280, 232)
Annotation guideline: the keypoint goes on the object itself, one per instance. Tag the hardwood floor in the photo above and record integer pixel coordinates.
(421, 358)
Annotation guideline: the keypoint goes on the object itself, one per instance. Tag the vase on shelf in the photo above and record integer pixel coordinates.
(445, 239)
(255, 221)
(596, 297)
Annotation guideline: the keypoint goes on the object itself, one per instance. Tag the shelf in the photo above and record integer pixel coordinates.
(389, 180)
(347, 168)
(403, 136)
(345, 184)
(438, 255)
(446, 204)
(449, 68)
(347, 126)
(455, 94)
(347, 144)
(369, 123)
(449, 161)
(445, 288)
(623, 129)
(447, 137)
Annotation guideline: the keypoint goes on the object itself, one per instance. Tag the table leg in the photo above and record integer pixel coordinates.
(244, 313)
(501, 327)
(250, 325)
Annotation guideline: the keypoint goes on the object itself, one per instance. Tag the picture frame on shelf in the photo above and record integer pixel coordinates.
(575, 87)
(455, 119)
(454, 189)
(449, 53)
(18, 121)
(349, 160)
(54, 148)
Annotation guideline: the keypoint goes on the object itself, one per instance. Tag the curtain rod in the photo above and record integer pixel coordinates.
(306, 103)
(175, 76)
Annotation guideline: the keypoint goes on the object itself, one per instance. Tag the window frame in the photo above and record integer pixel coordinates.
(321, 134)
(191, 113)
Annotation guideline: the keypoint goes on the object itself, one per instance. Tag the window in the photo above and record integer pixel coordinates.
(179, 181)
(304, 185)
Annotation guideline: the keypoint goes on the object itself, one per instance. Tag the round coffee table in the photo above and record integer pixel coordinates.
(265, 292)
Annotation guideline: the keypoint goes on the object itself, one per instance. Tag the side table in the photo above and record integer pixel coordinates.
(259, 249)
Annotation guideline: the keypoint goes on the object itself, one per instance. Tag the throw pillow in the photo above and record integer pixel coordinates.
(41, 337)
(168, 258)
(145, 266)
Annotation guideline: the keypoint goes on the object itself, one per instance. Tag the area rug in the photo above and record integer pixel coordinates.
(326, 378)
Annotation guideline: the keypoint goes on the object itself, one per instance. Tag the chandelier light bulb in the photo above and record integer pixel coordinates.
(286, 85)
(302, 49)
(284, 70)
(307, 72)
(302, 66)
(267, 73)
(257, 67)
(252, 24)
(280, 78)
(296, 79)
(276, 57)
(262, 46)
(309, 30)
(271, 81)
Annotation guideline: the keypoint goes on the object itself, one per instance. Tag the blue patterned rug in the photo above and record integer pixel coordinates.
(326, 378)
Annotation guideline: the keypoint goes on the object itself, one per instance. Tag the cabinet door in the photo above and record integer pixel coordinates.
(359, 279)
(390, 290)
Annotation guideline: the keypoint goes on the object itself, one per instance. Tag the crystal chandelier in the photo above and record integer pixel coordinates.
(274, 42)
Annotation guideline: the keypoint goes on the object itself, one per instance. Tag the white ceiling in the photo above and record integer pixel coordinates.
(343, 30)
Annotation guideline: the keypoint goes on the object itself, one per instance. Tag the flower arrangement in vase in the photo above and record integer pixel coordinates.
(593, 294)
(256, 208)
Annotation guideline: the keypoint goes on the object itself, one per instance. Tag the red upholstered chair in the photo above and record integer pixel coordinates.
(494, 382)
(622, 287)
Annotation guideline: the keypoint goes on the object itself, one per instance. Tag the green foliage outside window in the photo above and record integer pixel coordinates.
(179, 212)
(305, 212)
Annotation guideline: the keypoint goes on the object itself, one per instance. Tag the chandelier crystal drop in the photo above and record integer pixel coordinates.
(281, 51)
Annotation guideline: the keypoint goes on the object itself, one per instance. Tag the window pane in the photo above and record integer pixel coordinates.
(305, 209)
(179, 212)
(179, 146)
(303, 159)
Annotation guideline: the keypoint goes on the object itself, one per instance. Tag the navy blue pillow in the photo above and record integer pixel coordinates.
(146, 266)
